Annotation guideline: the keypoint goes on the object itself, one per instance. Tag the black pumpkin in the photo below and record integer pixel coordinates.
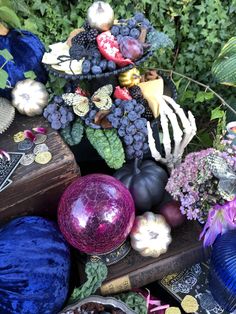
(146, 182)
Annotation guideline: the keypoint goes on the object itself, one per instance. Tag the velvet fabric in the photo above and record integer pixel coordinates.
(27, 50)
(34, 267)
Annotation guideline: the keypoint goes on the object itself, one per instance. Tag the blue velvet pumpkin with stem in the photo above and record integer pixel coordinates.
(26, 51)
(34, 267)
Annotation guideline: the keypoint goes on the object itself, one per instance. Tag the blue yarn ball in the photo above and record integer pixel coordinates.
(27, 51)
(34, 267)
(222, 275)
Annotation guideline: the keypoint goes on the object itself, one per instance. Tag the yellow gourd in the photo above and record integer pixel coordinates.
(130, 78)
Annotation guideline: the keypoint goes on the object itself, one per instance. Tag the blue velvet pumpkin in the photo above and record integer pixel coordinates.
(34, 267)
(27, 51)
(222, 275)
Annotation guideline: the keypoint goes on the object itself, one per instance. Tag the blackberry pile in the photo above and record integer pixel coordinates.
(136, 93)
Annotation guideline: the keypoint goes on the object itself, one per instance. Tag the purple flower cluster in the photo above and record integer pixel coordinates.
(184, 182)
(220, 219)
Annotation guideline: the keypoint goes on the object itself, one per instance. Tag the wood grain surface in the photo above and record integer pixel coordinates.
(36, 188)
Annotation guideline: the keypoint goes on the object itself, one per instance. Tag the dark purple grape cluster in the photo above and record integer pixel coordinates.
(131, 27)
(58, 114)
(126, 117)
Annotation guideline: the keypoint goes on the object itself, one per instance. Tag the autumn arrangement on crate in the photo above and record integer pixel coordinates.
(118, 122)
(124, 123)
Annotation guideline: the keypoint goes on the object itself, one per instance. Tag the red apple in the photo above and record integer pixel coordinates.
(172, 214)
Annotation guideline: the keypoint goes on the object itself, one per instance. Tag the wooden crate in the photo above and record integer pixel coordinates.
(36, 188)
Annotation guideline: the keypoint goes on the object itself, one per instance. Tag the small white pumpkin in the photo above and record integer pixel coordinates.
(29, 97)
(100, 16)
(150, 235)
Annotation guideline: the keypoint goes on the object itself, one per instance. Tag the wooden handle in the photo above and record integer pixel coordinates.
(3, 30)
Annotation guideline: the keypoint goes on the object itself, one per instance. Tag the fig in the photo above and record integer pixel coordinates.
(131, 48)
(171, 212)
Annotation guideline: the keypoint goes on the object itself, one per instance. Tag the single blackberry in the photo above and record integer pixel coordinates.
(80, 39)
(92, 35)
(86, 26)
(148, 112)
(135, 92)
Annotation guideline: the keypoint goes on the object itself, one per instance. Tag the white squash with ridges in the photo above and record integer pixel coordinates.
(29, 97)
(150, 235)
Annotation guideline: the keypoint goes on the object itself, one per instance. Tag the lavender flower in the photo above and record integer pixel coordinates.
(185, 180)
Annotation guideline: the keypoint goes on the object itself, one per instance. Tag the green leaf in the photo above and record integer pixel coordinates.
(30, 75)
(6, 3)
(3, 78)
(9, 17)
(203, 96)
(6, 55)
(217, 113)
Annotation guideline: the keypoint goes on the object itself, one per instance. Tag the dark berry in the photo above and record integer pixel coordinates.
(139, 17)
(135, 33)
(124, 31)
(96, 69)
(80, 39)
(115, 30)
(103, 64)
(131, 23)
(145, 23)
(119, 38)
(86, 26)
(135, 92)
(86, 67)
(148, 115)
(76, 52)
(111, 65)
(92, 35)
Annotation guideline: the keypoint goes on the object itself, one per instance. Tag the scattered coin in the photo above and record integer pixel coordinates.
(19, 137)
(172, 310)
(40, 148)
(189, 304)
(43, 158)
(40, 138)
(27, 159)
(26, 144)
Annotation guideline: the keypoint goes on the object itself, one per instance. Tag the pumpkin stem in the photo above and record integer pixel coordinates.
(136, 166)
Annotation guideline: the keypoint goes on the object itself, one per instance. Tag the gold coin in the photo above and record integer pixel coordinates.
(189, 304)
(19, 137)
(43, 158)
(172, 310)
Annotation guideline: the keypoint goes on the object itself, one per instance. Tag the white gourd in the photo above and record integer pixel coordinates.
(150, 235)
(100, 16)
(29, 97)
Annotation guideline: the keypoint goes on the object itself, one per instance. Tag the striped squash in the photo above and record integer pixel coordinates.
(224, 67)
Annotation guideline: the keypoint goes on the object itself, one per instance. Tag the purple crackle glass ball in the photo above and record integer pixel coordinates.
(96, 214)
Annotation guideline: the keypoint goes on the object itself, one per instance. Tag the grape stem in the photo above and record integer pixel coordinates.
(207, 88)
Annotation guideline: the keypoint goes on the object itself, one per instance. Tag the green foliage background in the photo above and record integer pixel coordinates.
(198, 29)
